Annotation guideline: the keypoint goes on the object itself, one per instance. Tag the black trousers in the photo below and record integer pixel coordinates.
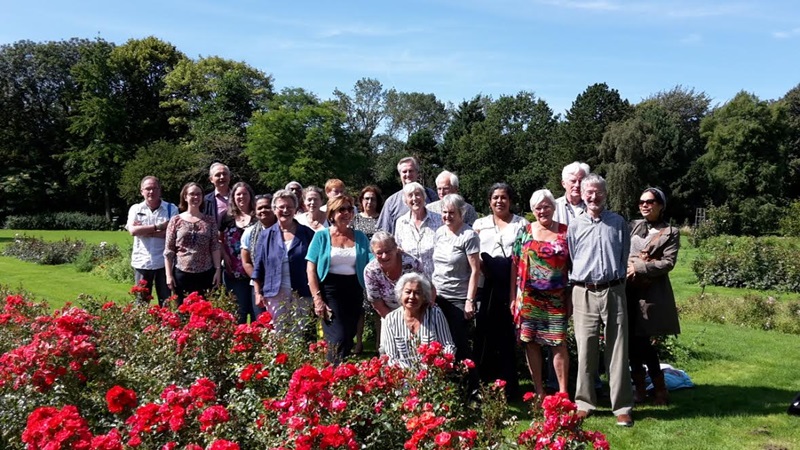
(343, 295)
(188, 282)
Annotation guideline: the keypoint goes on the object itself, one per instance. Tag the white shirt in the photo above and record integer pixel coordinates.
(148, 252)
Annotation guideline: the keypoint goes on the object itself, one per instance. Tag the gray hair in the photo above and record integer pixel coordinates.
(448, 175)
(542, 195)
(412, 187)
(455, 201)
(380, 237)
(292, 183)
(413, 277)
(575, 167)
(408, 159)
(215, 165)
(286, 194)
(593, 179)
(148, 178)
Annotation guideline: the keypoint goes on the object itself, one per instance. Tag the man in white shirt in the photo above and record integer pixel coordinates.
(571, 204)
(447, 183)
(147, 223)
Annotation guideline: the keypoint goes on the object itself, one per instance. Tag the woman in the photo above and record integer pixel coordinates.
(231, 229)
(280, 264)
(651, 303)
(313, 218)
(192, 250)
(265, 218)
(495, 340)
(539, 300)
(456, 270)
(366, 222)
(371, 203)
(418, 321)
(415, 231)
(297, 189)
(336, 260)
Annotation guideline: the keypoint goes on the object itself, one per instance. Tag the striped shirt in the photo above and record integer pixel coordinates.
(400, 345)
(598, 248)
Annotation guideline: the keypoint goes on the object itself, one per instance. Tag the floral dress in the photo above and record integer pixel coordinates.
(542, 269)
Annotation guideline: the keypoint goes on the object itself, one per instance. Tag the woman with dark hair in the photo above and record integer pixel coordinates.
(495, 341)
(366, 221)
(335, 270)
(192, 250)
(651, 303)
(231, 228)
(265, 218)
(417, 321)
(280, 264)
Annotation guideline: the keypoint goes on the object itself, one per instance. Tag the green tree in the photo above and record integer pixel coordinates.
(171, 162)
(791, 102)
(745, 160)
(411, 112)
(301, 138)
(464, 118)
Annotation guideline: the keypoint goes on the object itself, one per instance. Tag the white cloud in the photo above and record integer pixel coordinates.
(786, 34)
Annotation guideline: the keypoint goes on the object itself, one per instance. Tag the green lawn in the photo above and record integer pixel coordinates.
(745, 378)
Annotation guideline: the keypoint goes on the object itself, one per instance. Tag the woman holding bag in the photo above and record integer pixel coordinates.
(651, 303)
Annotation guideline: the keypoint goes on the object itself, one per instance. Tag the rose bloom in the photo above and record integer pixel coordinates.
(119, 399)
(281, 358)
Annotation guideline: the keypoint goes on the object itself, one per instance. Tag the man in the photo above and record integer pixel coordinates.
(216, 202)
(395, 206)
(599, 242)
(147, 223)
(571, 204)
(447, 183)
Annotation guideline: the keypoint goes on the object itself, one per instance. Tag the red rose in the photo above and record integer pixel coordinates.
(222, 444)
(212, 416)
(119, 399)
(281, 358)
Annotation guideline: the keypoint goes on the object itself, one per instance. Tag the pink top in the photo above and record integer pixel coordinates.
(190, 245)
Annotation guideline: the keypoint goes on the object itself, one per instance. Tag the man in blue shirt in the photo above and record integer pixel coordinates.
(395, 206)
(599, 243)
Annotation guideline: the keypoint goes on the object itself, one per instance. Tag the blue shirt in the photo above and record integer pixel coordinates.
(598, 248)
(268, 261)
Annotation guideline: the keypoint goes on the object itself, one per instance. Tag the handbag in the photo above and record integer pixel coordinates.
(643, 282)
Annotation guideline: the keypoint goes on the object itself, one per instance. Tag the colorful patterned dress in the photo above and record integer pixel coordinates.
(542, 269)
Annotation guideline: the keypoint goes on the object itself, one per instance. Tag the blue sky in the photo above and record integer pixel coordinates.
(457, 49)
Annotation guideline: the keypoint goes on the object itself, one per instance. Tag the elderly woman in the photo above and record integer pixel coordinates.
(336, 259)
(192, 250)
(495, 340)
(456, 270)
(297, 189)
(265, 218)
(313, 218)
(539, 301)
(415, 230)
(231, 229)
(280, 263)
(651, 303)
(417, 321)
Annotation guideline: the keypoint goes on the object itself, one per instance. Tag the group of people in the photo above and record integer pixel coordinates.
(432, 270)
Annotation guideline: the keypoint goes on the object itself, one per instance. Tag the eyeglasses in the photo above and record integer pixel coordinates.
(345, 209)
(649, 201)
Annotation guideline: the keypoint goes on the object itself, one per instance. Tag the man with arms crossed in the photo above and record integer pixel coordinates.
(599, 242)
(147, 222)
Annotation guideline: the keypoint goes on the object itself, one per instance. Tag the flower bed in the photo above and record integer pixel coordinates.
(120, 376)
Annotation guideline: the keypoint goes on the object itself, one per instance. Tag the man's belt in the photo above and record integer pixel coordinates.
(599, 286)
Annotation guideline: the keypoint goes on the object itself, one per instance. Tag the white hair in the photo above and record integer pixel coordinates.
(573, 168)
(447, 175)
(455, 201)
(593, 179)
(414, 277)
(412, 187)
(542, 195)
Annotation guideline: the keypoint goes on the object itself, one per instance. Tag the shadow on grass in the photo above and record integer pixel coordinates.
(5, 239)
(720, 401)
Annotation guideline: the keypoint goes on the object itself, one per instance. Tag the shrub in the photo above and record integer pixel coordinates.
(39, 251)
(59, 221)
(93, 255)
(748, 262)
(751, 311)
(790, 220)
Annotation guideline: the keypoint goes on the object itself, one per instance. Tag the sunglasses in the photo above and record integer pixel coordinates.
(649, 201)
(345, 209)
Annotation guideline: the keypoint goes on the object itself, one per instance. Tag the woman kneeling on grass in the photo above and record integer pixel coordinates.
(417, 321)
(651, 303)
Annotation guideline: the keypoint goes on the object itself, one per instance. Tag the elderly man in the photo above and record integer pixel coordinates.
(147, 222)
(447, 183)
(571, 204)
(395, 206)
(216, 202)
(599, 242)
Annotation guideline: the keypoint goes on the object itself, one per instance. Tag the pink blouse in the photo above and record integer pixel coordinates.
(190, 245)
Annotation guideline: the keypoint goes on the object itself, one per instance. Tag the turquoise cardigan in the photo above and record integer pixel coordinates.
(319, 252)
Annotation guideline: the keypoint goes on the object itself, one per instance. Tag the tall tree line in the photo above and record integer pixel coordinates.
(81, 121)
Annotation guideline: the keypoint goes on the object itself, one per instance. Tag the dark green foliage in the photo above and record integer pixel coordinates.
(58, 221)
(92, 255)
(173, 164)
(749, 262)
(26, 248)
(790, 220)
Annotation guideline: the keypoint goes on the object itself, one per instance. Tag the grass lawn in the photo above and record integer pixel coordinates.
(745, 378)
